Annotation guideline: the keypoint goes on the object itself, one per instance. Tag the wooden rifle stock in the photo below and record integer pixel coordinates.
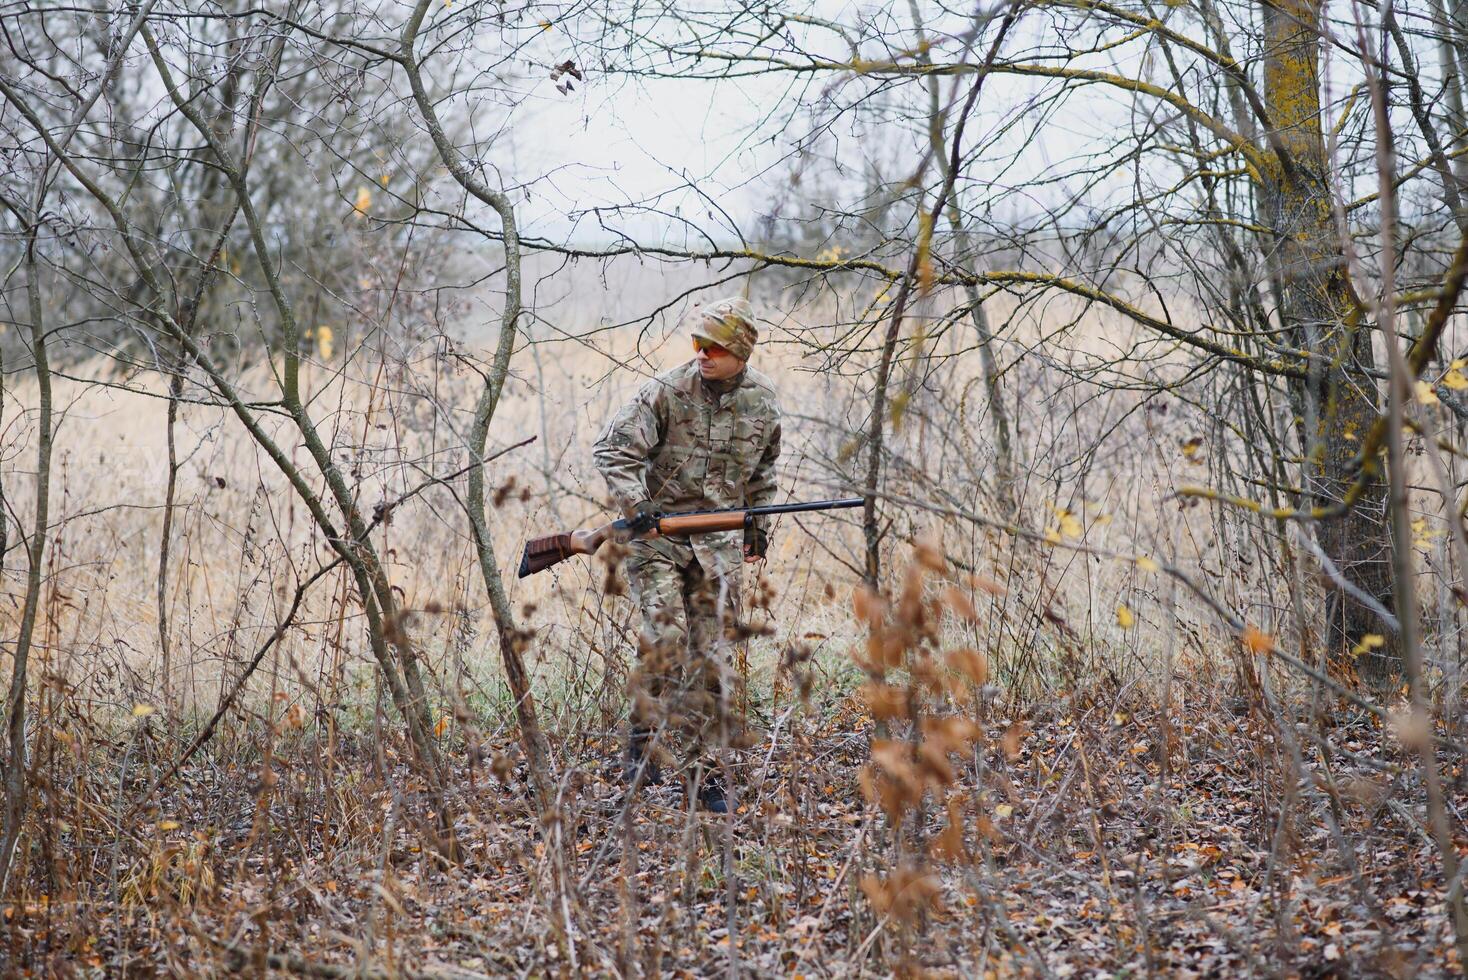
(542, 553)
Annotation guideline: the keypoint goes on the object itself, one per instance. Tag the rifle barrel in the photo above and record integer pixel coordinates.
(810, 505)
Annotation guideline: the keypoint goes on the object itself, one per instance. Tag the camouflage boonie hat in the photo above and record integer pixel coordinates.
(728, 323)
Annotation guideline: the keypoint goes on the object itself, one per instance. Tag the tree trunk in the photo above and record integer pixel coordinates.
(15, 762)
(511, 638)
(1337, 402)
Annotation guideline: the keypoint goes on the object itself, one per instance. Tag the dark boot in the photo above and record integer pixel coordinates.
(639, 759)
(711, 795)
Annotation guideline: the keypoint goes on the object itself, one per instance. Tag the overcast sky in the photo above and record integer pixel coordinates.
(721, 154)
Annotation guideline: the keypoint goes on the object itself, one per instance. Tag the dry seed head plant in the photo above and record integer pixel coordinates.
(1130, 333)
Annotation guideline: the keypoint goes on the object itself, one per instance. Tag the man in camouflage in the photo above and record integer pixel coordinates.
(702, 436)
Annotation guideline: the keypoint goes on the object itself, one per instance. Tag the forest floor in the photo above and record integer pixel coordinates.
(1095, 840)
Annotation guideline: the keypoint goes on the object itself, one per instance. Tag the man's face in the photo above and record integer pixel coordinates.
(714, 362)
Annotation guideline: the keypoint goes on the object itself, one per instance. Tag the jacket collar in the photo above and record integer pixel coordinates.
(718, 389)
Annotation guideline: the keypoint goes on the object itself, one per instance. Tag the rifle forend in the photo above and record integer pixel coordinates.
(542, 553)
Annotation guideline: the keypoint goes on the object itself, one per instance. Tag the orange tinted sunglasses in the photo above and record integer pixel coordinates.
(714, 350)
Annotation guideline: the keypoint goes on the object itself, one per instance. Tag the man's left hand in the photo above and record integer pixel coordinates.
(756, 542)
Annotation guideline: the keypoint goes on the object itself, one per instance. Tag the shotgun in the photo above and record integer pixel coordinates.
(542, 553)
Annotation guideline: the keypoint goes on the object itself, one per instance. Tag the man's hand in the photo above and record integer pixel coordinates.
(644, 517)
(756, 542)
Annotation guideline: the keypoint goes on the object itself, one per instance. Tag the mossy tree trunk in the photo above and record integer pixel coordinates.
(1337, 403)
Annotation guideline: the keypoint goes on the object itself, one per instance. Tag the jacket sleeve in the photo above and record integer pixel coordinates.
(625, 447)
(761, 487)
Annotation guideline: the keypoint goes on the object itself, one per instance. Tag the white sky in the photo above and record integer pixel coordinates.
(634, 144)
(615, 141)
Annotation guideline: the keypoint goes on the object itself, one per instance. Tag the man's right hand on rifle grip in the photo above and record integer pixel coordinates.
(644, 517)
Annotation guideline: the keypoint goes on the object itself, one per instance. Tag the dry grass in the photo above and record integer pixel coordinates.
(240, 541)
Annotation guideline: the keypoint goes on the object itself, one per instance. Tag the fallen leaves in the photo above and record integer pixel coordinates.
(1211, 855)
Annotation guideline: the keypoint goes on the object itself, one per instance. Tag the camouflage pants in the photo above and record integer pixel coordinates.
(688, 620)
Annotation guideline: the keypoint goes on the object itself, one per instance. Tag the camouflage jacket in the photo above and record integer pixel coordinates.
(686, 447)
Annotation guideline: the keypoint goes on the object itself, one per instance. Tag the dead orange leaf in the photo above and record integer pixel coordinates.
(1257, 641)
